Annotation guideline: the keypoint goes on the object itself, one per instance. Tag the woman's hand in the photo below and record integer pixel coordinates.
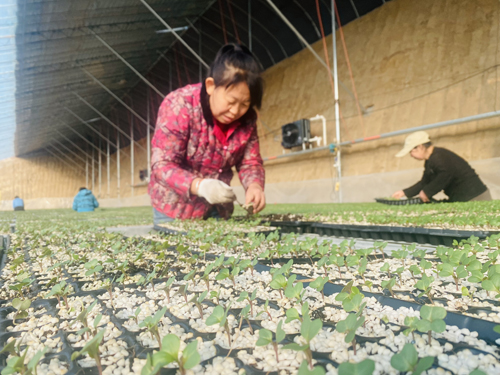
(399, 194)
(423, 196)
(256, 195)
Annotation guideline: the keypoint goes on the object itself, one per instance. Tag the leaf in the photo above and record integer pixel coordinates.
(406, 359)
(36, 358)
(438, 326)
(280, 333)
(496, 329)
(243, 296)
(97, 320)
(190, 355)
(265, 337)
(170, 345)
(291, 315)
(296, 347)
(432, 313)
(304, 369)
(216, 317)
(16, 303)
(423, 325)
(423, 365)
(365, 367)
(309, 328)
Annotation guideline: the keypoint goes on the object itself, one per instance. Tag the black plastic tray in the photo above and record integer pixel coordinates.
(381, 232)
(399, 202)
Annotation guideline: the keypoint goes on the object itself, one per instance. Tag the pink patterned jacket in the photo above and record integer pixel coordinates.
(184, 147)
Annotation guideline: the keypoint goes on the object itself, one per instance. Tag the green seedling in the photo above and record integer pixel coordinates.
(151, 324)
(296, 291)
(170, 354)
(249, 298)
(167, 287)
(304, 370)
(363, 263)
(198, 302)
(189, 276)
(319, 285)
(349, 326)
(368, 284)
(148, 279)
(424, 284)
(292, 314)
(266, 338)
(352, 299)
(280, 282)
(365, 367)
(386, 268)
(108, 285)
(425, 265)
(492, 282)
(478, 372)
(93, 268)
(97, 320)
(407, 360)
(23, 280)
(16, 363)
(226, 274)
(400, 254)
(21, 309)
(219, 316)
(206, 275)
(389, 284)
(216, 295)
(308, 330)
(248, 264)
(60, 290)
(411, 322)
(265, 310)
(414, 270)
(245, 314)
(337, 260)
(431, 320)
(183, 292)
(136, 315)
(92, 349)
(380, 246)
(83, 318)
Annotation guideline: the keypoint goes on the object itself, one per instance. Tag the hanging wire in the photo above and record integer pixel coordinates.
(360, 114)
(222, 22)
(234, 22)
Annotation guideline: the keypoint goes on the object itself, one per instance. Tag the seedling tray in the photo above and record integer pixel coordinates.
(399, 202)
(386, 233)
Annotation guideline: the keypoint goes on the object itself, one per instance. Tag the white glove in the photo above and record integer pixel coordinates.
(216, 191)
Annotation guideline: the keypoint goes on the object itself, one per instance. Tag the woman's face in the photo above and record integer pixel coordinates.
(228, 104)
(418, 152)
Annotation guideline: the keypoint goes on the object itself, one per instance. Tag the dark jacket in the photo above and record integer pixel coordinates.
(445, 170)
(85, 201)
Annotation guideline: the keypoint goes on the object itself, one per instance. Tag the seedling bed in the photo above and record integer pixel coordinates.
(207, 290)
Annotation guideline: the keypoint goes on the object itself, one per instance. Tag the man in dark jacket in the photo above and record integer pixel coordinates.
(443, 170)
(85, 201)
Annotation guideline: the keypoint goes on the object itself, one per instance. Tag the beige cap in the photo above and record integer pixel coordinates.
(412, 141)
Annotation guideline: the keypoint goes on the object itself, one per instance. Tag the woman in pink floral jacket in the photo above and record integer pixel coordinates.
(204, 130)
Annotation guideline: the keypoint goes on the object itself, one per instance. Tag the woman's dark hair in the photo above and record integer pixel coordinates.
(427, 144)
(82, 188)
(233, 64)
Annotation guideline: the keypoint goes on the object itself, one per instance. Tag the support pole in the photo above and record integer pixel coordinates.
(100, 169)
(250, 25)
(126, 63)
(108, 167)
(118, 164)
(69, 150)
(132, 156)
(66, 157)
(302, 39)
(338, 160)
(148, 137)
(87, 172)
(174, 33)
(81, 136)
(93, 171)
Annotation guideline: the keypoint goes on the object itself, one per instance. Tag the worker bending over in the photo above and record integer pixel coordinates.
(443, 170)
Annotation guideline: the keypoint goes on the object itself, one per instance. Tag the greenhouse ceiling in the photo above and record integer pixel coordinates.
(76, 60)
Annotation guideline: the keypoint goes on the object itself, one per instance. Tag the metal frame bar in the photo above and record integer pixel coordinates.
(174, 33)
(126, 63)
(308, 46)
(107, 120)
(72, 161)
(338, 160)
(116, 97)
(60, 159)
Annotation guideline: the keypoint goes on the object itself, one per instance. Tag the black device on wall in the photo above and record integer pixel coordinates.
(295, 133)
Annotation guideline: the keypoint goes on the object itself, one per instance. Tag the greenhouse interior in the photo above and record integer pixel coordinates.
(250, 187)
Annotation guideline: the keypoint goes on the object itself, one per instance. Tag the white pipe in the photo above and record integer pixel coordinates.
(323, 119)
